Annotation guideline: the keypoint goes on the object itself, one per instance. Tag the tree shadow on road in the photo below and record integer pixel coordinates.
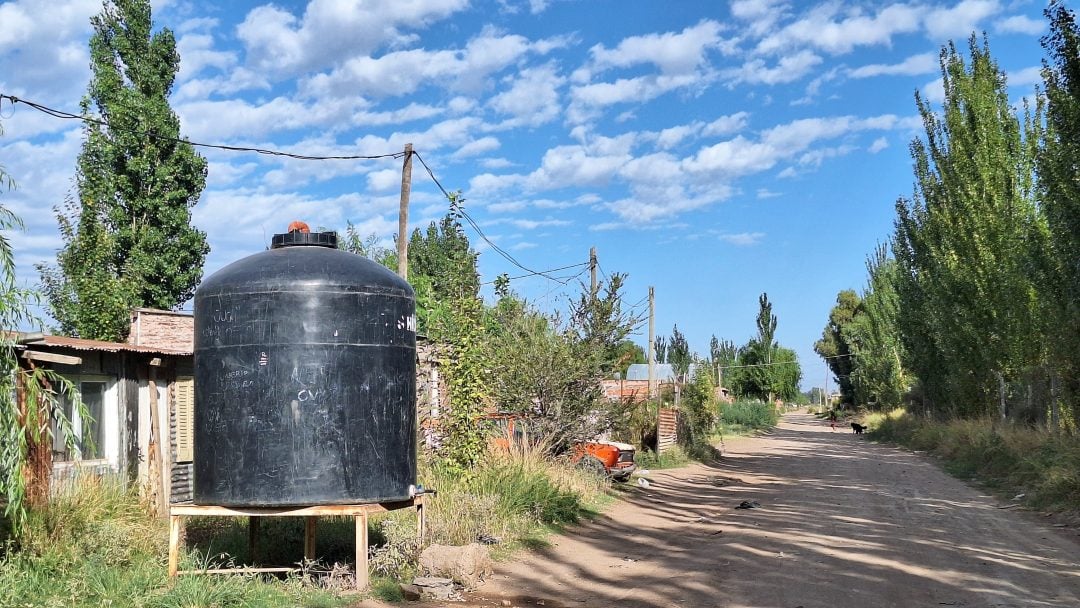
(842, 522)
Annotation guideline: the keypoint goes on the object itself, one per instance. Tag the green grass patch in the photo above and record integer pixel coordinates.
(95, 545)
(747, 417)
(673, 457)
(1012, 459)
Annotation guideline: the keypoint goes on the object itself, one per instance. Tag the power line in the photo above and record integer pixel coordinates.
(531, 274)
(102, 123)
(758, 364)
(476, 227)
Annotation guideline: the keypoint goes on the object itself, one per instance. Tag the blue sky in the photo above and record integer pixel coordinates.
(713, 150)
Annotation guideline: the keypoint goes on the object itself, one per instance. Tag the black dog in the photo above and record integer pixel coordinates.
(857, 428)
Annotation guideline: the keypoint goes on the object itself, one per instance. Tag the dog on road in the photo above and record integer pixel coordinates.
(857, 428)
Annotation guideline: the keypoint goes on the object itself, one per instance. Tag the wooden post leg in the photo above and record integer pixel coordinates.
(174, 545)
(421, 519)
(253, 540)
(361, 552)
(309, 539)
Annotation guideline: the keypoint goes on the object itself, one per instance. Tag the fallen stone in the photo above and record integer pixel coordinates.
(435, 587)
(467, 565)
(411, 592)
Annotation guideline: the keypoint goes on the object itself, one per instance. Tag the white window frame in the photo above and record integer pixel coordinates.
(109, 449)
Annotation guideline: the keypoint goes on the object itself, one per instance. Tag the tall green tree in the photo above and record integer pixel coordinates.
(442, 269)
(679, 355)
(766, 324)
(723, 354)
(600, 322)
(833, 345)
(1059, 193)
(765, 369)
(878, 376)
(442, 253)
(129, 231)
(964, 241)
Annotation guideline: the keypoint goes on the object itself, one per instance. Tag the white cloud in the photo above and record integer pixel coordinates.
(671, 53)
(878, 145)
(788, 69)
(532, 99)
(224, 119)
(742, 239)
(404, 72)
(197, 53)
(761, 16)
(960, 21)
(822, 28)
(923, 63)
(477, 146)
(496, 163)
(1019, 24)
(741, 156)
(764, 193)
(44, 48)
(671, 137)
(279, 42)
(523, 245)
(1025, 77)
(726, 125)
(384, 180)
(526, 224)
(587, 98)
(934, 91)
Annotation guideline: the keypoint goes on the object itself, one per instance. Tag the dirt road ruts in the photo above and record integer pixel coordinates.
(843, 522)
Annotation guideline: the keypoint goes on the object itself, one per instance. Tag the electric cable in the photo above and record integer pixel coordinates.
(458, 209)
(531, 274)
(268, 152)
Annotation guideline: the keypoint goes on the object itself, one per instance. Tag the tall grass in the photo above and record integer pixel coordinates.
(95, 545)
(1013, 459)
(512, 495)
(744, 417)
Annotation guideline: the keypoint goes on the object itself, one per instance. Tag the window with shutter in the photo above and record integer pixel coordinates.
(185, 419)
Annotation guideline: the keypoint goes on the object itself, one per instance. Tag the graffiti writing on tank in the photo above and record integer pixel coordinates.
(407, 323)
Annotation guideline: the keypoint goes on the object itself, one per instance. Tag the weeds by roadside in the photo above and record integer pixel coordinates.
(1043, 466)
(96, 546)
(747, 417)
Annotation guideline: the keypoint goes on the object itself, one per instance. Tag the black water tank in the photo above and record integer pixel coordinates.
(305, 375)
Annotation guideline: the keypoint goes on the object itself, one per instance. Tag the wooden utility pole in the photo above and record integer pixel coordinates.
(652, 344)
(592, 270)
(403, 215)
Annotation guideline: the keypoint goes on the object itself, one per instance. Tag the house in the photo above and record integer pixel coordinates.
(130, 389)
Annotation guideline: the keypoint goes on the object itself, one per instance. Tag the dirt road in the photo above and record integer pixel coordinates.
(843, 522)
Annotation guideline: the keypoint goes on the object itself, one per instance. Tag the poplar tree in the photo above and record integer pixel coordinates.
(1059, 192)
(877, 374)
(963, 241)
(833, 345)
(128, 238)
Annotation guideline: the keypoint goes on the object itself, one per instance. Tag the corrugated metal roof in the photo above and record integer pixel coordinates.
(98, 345)
(640, 371)
(665, 372)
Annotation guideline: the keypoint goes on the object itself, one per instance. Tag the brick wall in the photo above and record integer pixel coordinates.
(162, 329)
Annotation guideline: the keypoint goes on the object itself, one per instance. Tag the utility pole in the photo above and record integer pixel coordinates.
(592, 270)
(403, 215)
(652, 344)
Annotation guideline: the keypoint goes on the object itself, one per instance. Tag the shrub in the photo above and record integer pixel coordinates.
(745, 416)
